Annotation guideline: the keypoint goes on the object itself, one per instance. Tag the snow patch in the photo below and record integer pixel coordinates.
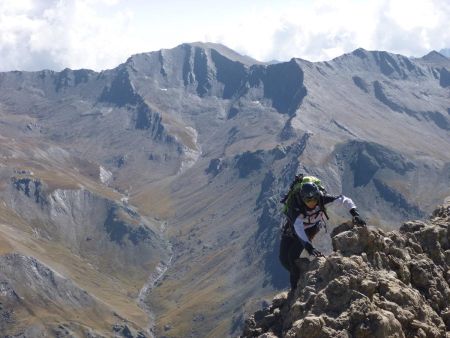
(105, 175)
(191, 155)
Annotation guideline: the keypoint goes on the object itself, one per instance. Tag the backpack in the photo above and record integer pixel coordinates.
(295, 187)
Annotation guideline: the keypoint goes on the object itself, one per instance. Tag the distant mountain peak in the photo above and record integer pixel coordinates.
(360, 50)
(364, 53)
(224, 50)
(208, 45)
(434, 56)
(389, 64)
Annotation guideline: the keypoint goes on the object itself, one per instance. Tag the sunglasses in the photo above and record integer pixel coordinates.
(310, 200)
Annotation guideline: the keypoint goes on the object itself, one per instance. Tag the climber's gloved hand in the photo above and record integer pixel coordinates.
(312, 251)
(357, 219)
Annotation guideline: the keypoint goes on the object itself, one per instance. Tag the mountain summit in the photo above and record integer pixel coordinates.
(436, 58)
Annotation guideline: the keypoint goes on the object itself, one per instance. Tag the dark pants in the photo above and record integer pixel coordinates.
(290, 250)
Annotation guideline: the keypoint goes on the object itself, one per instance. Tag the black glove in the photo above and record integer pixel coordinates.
(358, 220)
(312, 251)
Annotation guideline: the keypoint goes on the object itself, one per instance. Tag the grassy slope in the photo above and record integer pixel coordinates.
(116, 292)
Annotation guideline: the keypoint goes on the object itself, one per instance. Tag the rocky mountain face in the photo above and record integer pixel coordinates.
(46, 304)
(374, 284)
(154, 187)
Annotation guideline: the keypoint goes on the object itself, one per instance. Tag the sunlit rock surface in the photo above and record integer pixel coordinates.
(375, 284)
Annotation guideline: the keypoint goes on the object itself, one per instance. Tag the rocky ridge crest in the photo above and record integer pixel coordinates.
(374, 284)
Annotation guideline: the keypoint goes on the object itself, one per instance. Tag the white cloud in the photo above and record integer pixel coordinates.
(419, 28)
(325, 29)
(99, 34)
(65, 33)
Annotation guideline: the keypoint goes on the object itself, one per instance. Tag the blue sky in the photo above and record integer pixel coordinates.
(100, 34)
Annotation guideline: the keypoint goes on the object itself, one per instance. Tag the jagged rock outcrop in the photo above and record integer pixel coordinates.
(375, 284)
(121, 91)
(71, 78)
(30, 186)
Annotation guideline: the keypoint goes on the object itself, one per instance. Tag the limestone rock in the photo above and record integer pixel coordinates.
(374, 284)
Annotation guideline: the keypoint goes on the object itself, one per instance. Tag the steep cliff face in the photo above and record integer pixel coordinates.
(375, 284)
(210, 71)
(111, 235)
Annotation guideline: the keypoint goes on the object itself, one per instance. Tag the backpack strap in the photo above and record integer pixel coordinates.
(322, 206)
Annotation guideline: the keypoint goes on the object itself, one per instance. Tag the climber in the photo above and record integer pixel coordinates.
(305, 212)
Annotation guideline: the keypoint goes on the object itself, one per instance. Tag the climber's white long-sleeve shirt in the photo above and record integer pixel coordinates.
(313, 217)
